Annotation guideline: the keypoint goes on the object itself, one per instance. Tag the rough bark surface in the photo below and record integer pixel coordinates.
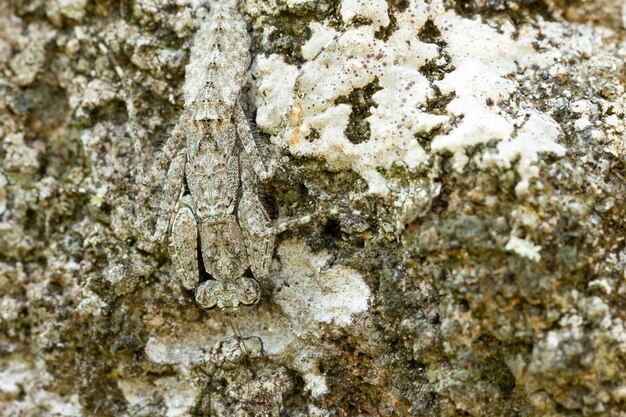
(471, 154)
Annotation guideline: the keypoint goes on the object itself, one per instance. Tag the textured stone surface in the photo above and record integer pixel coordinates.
(471, 154)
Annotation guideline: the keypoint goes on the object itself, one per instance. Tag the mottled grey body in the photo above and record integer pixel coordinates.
(220, 210)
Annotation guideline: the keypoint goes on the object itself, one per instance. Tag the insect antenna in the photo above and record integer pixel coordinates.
(342, 30)
(137, 132)
(234, 325)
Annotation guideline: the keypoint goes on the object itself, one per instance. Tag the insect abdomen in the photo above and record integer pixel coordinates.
(217, 65)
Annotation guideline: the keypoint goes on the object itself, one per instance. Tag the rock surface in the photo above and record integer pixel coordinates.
(471, 155)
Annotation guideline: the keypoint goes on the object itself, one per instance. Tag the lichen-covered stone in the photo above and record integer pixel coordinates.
(470, 155)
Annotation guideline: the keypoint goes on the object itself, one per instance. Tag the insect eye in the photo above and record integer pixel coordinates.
(208, 293)
(250, 291)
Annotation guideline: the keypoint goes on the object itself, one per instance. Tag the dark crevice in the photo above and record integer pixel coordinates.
(203, 274)
(361, 100)
(516, 9)
(332, 230)
(435, 69)
(114, 112)
(292, 28)
(438, 103)
(395, 7)
(430, 33)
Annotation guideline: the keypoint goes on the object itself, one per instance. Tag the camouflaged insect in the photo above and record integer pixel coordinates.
(220, 165)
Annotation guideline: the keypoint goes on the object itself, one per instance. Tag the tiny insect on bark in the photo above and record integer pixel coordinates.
(210, 197)
(212, 181)
(210, 206)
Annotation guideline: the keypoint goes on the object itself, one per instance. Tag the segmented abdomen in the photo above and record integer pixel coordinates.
(217, 65)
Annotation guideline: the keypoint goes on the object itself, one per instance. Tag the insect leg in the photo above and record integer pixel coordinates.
(171, 192)
(283, 226)
(250, 148)
(167, 153)
(254, 219)
(184, 243)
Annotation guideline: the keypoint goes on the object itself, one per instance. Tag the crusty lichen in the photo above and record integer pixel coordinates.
(471, 154)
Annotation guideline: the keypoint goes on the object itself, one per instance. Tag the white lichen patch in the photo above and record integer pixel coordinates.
(139, 394)
(483, 58)
(183, 346)
(179, 396)
(24, 390)
(314, 297)
(91, 304)
(483, 62)
(479, 83)
(316, 384)
(10, 309)
(524, 248)
(19, 157)
(538, 134)
(272, 102)
(287, 341)
(309, 289)
(352, 61)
